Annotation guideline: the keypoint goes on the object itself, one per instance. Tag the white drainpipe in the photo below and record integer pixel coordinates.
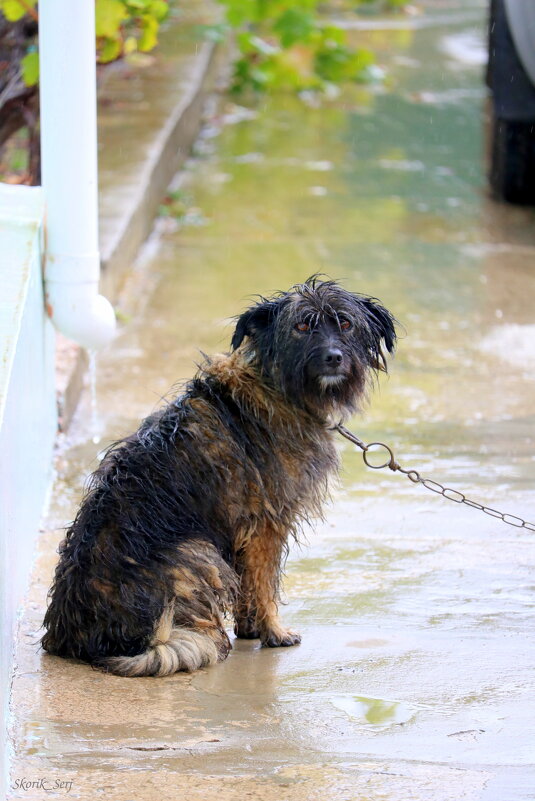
(69, 172)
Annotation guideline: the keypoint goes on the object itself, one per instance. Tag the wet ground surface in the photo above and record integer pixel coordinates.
(415, 676)
(135, 101)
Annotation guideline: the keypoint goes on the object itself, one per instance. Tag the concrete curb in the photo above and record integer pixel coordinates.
(169, 151)
(171, 148)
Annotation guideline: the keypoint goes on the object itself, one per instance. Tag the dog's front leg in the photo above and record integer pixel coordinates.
(256, 611)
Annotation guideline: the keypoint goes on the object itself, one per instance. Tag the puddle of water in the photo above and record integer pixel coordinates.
(469, 48)
(375, 712)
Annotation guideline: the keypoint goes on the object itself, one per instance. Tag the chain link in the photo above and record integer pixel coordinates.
(433, 486)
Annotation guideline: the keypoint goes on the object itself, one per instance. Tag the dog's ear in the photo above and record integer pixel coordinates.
(253, 320)
(382, 322)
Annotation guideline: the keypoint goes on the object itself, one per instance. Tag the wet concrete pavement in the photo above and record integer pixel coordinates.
(149, 113)
(414, 679)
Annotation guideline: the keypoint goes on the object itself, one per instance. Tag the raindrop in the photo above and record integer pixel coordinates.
(94, 421)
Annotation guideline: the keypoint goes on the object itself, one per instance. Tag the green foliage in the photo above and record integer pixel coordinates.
(30, 68)
(121, 27)
(124, 26)
(288, 44)
(149, 34)
(335, 62)
(13, 10)
(294, 25)
(283, 44)
(109, 16)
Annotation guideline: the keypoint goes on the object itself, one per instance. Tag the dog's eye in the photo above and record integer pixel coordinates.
(345, 325)
(302, 326)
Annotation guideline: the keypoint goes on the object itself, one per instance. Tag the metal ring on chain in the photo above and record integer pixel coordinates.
(389, 462)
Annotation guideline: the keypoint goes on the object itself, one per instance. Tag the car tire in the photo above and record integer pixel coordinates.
(512, 172)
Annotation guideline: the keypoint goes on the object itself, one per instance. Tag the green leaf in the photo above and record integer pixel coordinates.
(30, 68)
(13, 10)
(111, 50)
(338, 63)
(331, 36)
(149, 34)
(243, 40)
(239, 12)
(109, 14)
(159, 9)
(130, 45)
(273, 9)
(294, 25)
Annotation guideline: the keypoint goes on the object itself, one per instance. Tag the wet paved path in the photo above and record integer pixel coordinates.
(415, 676)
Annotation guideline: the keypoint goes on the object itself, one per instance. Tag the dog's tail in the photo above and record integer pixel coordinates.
(170, 650)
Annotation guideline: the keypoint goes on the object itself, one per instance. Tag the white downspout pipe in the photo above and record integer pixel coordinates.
(69, 172)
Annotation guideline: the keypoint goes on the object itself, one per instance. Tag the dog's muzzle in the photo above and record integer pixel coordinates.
(328, 365)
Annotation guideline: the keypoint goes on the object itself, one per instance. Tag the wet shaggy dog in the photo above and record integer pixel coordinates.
(188, 519)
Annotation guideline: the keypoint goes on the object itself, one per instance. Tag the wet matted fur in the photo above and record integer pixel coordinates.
(188, 519)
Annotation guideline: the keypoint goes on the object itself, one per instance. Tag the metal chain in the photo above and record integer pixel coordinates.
(434, 486)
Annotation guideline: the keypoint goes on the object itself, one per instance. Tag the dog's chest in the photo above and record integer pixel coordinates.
(298, 477)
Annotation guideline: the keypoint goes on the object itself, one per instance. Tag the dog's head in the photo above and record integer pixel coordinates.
(317, 343)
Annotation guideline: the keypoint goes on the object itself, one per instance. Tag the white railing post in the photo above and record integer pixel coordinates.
(69, 171)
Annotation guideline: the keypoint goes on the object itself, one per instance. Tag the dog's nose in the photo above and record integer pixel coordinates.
(333, 356)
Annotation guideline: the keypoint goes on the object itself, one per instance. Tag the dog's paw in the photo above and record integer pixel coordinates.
(281, 638)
